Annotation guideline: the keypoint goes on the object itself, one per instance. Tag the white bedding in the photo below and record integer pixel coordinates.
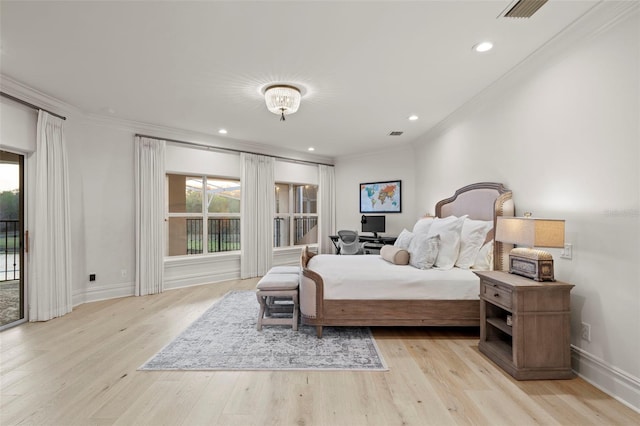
(371, 277)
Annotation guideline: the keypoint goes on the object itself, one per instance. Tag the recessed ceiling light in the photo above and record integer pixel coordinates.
(485, 46)
(311, 148)
(223, 131)
(413, 117)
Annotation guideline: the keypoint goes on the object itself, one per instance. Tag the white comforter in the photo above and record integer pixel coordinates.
(371, 277)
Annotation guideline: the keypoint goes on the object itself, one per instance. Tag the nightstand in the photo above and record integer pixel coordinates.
(525, 325)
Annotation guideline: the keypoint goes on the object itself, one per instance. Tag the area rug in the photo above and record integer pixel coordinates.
(225, 338)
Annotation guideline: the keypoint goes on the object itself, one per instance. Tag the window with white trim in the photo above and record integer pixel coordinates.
(204, 215)
(296, 218)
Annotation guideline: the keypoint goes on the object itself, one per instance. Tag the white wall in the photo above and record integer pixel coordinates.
(183, 159)
(17, 126)
(565, 138)
(101, 173)
(394, 164)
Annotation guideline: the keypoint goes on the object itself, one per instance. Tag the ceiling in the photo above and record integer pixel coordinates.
(364, 67)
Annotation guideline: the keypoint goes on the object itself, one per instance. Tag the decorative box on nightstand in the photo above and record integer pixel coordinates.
(534, 264)
(536, 346)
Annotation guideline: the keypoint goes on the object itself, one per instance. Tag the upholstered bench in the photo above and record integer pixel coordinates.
(284, 270)
(279, 284)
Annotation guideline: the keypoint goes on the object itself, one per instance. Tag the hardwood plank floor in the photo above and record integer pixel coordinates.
(81, 369)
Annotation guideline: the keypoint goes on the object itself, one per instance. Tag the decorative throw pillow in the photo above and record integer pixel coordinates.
(422, 225)
(395, 255)
(484, 259)
(449, 229)
(423, 251)
(404, 239)
(472, 237)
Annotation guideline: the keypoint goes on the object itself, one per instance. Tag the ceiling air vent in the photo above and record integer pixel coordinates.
(523, 8)
(396, 133)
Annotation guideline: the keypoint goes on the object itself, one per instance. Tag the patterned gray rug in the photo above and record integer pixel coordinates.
(225, 338)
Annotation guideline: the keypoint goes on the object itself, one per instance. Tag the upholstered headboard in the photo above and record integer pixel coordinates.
(482, 201)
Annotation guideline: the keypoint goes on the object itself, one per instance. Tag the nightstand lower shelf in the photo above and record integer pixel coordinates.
(500, 353)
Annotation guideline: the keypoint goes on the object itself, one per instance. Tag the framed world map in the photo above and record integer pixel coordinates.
(381, 197)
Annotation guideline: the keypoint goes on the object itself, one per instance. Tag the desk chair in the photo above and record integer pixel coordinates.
(349, 242)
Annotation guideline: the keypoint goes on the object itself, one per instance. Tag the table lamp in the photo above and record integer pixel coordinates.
(531, 232)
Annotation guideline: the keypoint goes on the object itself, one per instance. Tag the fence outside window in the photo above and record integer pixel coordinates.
(9, 250)
(224, 233)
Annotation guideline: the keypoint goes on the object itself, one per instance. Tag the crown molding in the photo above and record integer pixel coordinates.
(600, 18)
(22, 91)
(26, 93)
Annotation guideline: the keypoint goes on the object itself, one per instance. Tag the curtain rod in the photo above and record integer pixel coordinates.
(30, 105)
(201, 145)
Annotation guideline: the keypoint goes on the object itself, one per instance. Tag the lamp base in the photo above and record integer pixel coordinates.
(534, 264)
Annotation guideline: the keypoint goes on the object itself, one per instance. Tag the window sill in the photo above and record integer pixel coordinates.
(196, 258)
(294, 248)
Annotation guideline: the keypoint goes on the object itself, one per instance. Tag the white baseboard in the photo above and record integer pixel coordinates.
(622, 386)
(94, 294)
(187, 271)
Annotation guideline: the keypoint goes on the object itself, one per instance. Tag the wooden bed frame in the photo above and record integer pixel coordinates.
(481, 201)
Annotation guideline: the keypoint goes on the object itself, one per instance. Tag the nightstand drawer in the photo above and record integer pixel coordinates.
(496, 294)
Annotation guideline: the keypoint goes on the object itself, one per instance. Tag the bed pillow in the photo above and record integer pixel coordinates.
(423, 251)
(449, 229)
(484, 259)
(395, 255)
(404, 239)
(422, 225)
(472, 237)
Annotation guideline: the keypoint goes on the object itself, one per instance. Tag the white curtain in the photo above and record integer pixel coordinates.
(326, 208)
(257, 208)
(150, 207)
(50, 254)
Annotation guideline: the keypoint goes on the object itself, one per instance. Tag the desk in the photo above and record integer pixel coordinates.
(374, 243)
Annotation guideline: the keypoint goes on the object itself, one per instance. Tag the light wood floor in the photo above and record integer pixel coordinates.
(81, 369)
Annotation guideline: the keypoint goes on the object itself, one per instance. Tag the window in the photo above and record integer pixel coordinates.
(296, 219)
(204, 215)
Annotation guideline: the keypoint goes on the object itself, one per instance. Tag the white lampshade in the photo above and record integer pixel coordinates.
(282, 99)
(530, 232)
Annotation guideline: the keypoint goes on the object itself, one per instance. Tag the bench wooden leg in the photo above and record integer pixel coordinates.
(266, 299)
(262, 303)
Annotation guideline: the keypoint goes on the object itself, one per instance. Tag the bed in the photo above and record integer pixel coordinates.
(370, 291)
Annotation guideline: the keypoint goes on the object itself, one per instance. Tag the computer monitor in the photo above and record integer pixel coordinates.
(373, 224)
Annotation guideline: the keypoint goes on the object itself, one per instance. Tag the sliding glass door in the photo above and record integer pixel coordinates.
(12, 265)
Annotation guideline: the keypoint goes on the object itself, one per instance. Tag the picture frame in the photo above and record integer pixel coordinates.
(381, 197)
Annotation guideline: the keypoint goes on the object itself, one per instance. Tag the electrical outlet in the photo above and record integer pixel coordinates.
(92, 277)
(585, 333)
(567, 253)
(123, 273)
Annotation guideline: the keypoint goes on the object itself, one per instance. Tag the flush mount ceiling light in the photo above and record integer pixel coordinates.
(485, 46)
(282, 99)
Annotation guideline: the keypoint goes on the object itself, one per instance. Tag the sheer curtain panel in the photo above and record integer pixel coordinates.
(50, 264)
(326, 208)
(257, 208)
(150, 207)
